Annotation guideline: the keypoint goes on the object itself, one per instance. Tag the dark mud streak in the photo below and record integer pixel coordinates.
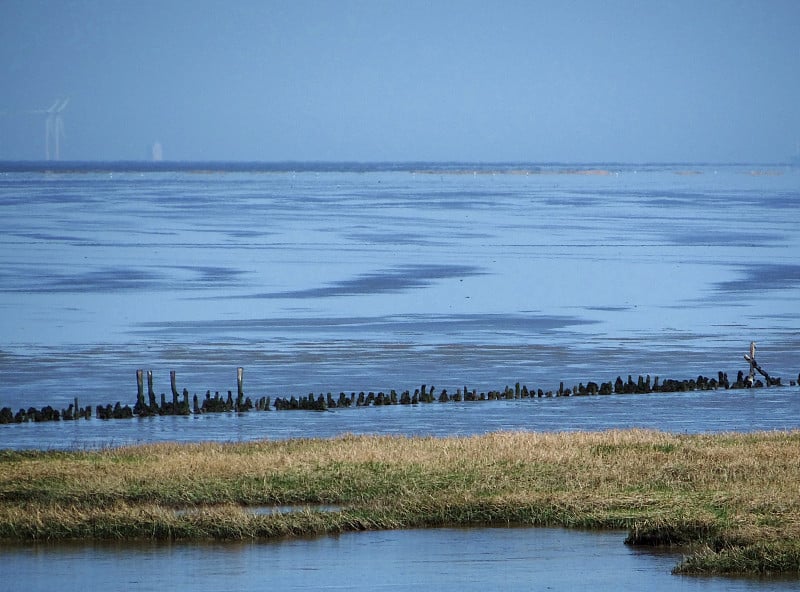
(392, 281)
(105, 280)
(121, 279)
(761, 277)
(210, 276)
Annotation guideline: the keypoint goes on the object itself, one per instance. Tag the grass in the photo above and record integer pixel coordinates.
(731, 500)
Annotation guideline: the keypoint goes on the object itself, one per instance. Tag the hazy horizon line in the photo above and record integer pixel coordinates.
(348, 165)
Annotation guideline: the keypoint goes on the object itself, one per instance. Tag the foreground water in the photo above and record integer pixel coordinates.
(450, 560)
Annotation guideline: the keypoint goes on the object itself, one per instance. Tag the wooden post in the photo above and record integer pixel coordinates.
(151, 394)
(139, 385)
(752, 359)
(173, 383)
(239, 405)
(140, 406)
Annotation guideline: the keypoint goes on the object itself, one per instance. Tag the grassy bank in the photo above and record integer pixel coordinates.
(733, 500)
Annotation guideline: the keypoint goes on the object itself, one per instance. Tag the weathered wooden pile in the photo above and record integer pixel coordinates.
(46, 413)
(179, 403)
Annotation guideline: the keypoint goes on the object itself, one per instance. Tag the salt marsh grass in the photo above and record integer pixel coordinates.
(732, 499)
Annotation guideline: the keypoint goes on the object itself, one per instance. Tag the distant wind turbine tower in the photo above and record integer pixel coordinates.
(58, 127)
(53, 128)
(48, 126)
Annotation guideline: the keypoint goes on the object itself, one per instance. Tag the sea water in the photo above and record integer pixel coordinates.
(326, 278)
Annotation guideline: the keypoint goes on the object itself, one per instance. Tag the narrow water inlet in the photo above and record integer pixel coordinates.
(486, 558)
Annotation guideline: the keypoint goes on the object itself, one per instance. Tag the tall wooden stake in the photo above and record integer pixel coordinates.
(139, 385)
(752, 359)
(173, 383)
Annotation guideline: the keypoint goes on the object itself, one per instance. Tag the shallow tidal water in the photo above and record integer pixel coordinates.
(377, 278)
(450, 560)
(693, 412)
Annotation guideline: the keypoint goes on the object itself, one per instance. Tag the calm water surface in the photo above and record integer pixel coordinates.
(450, 560)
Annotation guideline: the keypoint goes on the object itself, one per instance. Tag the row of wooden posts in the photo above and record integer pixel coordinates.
(179, 403)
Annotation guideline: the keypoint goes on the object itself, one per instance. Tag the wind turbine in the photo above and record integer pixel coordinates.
(56, 126)
(53, 127)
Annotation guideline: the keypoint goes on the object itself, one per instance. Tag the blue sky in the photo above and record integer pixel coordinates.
(255, 80)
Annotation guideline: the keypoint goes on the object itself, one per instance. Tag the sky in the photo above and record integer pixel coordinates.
(576, 81)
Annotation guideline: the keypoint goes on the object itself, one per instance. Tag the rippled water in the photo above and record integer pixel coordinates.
(380, 278)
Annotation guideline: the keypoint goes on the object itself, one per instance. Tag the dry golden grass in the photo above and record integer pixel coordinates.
(725, 493)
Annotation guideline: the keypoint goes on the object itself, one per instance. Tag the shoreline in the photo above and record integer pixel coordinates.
(729, 499)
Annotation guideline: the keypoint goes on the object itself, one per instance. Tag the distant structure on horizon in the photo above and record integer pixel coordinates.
(157, 151)
(53, 128)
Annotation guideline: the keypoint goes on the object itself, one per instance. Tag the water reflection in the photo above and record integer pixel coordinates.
(457, 560)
